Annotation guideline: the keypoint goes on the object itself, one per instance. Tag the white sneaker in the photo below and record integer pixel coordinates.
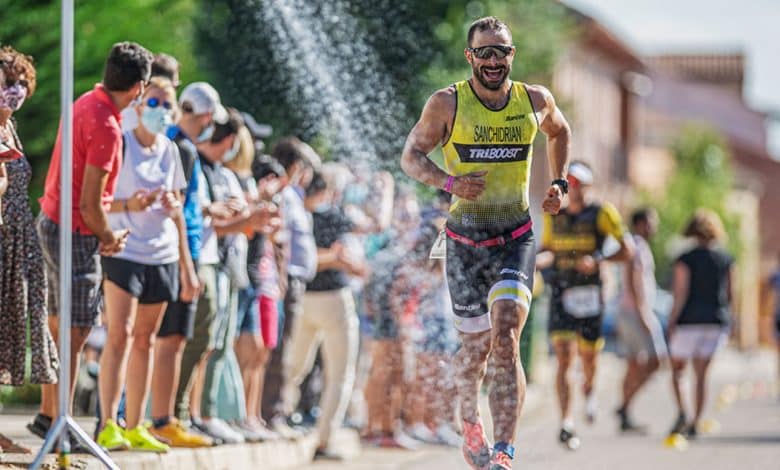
(279, 424)
(221, 430)
(406, 441)
(422, 433)
(446, 435)
(245, 430)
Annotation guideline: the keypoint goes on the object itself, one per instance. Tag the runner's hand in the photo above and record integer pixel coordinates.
(469, 186)
(115, 244)
(586, 265)
(553, 199)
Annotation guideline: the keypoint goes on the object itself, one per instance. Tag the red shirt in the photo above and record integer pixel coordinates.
(97, 141)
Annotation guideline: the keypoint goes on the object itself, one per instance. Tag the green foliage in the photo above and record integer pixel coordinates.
(703, 177)
(27, 395)
(33, 27)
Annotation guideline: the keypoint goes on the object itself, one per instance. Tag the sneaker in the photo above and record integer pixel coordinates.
(679, 425)
(500, 461)
(40, 425)
(219, 429)
(112, 437)
(569, 439)
(259, 428)
(405, 441)
(141, 440)
(422, 433)
(691, 432)
(245, 430)
(446, 435)
(279, 424)
(627, 425)
(476, 449)
(176, 435)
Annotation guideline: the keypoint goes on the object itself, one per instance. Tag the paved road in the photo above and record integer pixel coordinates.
(743, 403)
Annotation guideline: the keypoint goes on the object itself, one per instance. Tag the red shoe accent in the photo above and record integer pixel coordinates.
(476, 449)
(500, 461)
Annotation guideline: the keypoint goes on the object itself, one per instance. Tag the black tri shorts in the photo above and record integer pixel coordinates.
(478, 276)
(150, 284)
(584, 324)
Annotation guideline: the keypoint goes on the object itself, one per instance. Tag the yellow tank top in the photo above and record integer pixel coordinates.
(499, 142)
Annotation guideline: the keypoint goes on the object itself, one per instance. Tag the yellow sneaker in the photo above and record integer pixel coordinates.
(141, 440)
(176, 435)
(112, 437)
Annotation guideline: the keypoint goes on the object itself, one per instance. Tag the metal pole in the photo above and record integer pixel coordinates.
(64, 423)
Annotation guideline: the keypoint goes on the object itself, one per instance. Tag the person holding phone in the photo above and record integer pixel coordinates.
(97, 158)
(141, 279)
(21, 262)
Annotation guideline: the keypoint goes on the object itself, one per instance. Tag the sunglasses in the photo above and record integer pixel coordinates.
(486, 52)
(155, 102)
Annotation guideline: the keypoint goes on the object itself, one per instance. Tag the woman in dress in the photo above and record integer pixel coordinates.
(22, 282)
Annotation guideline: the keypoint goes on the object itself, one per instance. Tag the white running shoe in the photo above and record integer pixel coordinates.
(446, 435)
(422, 433)
(219, 429)
(279, 424)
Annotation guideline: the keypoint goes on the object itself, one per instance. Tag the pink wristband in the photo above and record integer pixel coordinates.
(448, 185)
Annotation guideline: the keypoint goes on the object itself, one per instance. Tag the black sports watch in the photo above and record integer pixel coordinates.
(562, 183)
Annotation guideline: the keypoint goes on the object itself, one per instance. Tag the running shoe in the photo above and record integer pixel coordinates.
(218, 429)
(279, 424)
(627, 425)
(476, 449)
(422, 433)
(569, 439)
(691, 431)
(679, 425)
(176, 435)
(141, 440)
(245, 430)
(112, 437)
(405, 441)
(446, 435)
(500, 461)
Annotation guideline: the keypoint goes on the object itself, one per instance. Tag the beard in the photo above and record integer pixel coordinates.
(494, 80)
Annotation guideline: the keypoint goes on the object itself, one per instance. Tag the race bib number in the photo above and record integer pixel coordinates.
(439, 248)
(582, 301)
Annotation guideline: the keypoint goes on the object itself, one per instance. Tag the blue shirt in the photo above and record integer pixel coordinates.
(193, 213)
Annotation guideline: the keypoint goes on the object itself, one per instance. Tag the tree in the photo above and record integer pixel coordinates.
(33, 27)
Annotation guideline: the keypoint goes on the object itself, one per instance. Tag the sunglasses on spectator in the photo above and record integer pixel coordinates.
(486, 52)
(155, 102)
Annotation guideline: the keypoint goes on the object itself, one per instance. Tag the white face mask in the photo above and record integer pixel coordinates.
(206, 133)
(12, 97)
(232, 152)
(156, 120)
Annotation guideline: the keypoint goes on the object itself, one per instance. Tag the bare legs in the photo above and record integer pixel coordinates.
(78, 336)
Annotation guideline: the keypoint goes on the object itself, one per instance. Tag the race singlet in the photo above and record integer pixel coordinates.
(496, 141)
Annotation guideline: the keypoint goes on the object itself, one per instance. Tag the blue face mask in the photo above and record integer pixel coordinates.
(156, 120)
(206, 133)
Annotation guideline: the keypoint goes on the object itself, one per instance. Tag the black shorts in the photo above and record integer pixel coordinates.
(477, 277)
(179, 317)
(150, 284)
(563, 325)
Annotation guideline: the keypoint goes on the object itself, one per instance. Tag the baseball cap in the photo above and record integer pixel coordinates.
(582, 172)
(203, 98)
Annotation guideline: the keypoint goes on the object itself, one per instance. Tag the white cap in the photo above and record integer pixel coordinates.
(581, 171)
(203, 98)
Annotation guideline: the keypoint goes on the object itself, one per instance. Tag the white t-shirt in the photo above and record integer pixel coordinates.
(153, 238)
(129, 118)
(643, 261)
(224, 187)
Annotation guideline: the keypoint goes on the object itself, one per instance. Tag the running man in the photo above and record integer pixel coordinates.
(571, 248)
(486, 126)
(639, 330)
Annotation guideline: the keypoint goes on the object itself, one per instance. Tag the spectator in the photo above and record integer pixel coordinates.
(297, 159)
(97, 159)
(22, 282)
(227, 216)
(328, 317)
(698, 324)
(200, 108)
(774, 284)
(163, 66)
(144, 277)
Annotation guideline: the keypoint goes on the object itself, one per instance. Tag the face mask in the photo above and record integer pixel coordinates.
(155, 120)
(12, 97)
(206, 133)
(231, 153)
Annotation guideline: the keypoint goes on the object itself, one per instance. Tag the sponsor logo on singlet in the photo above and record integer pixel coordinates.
(496, 153)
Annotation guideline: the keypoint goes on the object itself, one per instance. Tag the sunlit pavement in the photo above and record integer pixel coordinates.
(744, 404)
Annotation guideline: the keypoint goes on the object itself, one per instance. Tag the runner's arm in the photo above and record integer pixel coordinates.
(431, 130)
(680, 285)
(555, 127)
(636, 287)
(608, 222)
(545, 258)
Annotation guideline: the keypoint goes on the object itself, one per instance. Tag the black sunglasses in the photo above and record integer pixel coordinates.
(155, 102)
(486, 52)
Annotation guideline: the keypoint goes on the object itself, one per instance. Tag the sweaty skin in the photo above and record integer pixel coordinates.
(498, 346)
